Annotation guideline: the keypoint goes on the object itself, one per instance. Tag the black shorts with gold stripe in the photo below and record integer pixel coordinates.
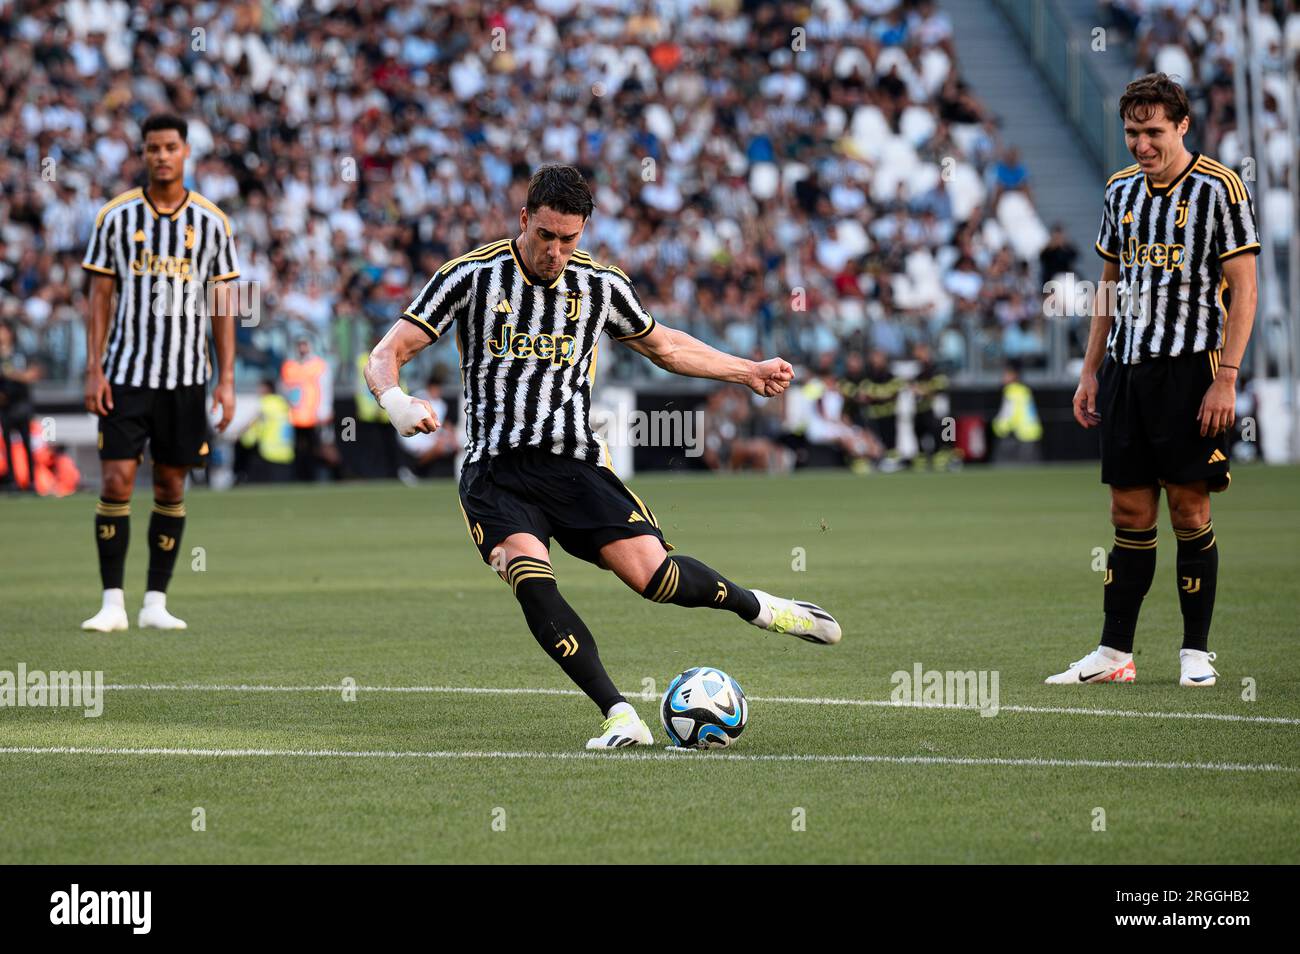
(1149, 429)
(527, 490)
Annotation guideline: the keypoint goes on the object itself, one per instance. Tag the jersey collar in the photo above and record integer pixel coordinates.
(528, 276)
(174, 213)
(1154, 190)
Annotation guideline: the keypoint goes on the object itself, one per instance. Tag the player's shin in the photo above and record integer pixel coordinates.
(1129, 572)
(560, 631)
(1198, 575)
(686, 581)
(166, 524)
(112, 535)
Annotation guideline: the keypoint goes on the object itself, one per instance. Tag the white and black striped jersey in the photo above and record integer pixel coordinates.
(1170, 242)
(162, 262)
(528, 349)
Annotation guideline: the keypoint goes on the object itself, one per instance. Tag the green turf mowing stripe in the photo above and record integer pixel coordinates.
(669, 755)
(792, 700)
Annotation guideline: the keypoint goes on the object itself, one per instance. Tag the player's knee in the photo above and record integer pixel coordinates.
(172, 491)
(1189, 511)
(1128, 515)
(116, 485)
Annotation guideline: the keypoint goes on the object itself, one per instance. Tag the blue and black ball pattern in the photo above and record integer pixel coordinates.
(704, 708)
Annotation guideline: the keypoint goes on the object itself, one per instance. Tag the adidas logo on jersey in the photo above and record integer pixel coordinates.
(503, 307)
(1127, 220)
(1216, 457)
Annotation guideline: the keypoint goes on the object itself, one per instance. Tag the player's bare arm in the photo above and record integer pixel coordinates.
(99, 396)
(223, 338)
(402, 343)
(1085, 396)
(1219, 408)
(678, 352)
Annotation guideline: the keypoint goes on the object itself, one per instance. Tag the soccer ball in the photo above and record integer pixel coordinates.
(704, 708)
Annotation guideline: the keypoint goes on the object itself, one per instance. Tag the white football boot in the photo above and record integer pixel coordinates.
(154, 615)
(1101, 665)
(623, 728)
(1196, 667)
(808, 621)
(111, 616)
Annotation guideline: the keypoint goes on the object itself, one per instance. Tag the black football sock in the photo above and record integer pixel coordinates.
(688, 582)
(1129, 572)
(112, 535)
(1198, 577)
(559, 630)
(166, 524)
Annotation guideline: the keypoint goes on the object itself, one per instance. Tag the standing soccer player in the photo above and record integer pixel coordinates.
(157, 249)
(529, 313)
(1177, 234)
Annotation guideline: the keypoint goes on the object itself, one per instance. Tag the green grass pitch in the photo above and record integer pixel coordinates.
(982, 570)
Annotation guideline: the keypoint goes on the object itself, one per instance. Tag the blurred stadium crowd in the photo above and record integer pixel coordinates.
(809, 179)
(770, 177)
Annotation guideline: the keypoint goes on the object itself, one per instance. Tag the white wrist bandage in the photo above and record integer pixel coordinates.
(402, 410)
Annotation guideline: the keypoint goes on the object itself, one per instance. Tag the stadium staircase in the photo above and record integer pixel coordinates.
(1067, 184)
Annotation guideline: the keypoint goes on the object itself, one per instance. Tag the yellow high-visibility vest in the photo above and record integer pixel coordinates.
(272, 432)
(1018, 416)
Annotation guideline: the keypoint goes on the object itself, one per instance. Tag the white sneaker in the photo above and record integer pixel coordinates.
(1100, 665)
(111, 616)
(622, 729)
(1196, 667)
(154, 615)
(808, 621)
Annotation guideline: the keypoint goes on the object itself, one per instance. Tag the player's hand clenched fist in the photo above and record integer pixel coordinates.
(1085, 401)
(409, 415)
(771, 377)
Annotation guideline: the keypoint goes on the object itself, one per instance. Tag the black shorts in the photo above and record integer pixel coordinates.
(175, 422)
(1149, 431)
(534, 491)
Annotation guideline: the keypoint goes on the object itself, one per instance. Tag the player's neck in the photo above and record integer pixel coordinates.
(531, 273)
(165, 196)
(1171, 171)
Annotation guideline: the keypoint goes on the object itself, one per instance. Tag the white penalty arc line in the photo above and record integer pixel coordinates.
(669, 755)
(792, 700)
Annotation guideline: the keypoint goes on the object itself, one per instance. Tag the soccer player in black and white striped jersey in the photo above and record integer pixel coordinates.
(1159, 376)
(529, 313)
(165, 253)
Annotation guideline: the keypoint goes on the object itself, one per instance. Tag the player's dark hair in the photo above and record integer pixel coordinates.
(1142, 97)
(561, 188)
(160, 121)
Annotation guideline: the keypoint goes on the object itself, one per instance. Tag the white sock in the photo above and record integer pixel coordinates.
(1114, 654)
(114, 598)
(155, 598)
(619, 708)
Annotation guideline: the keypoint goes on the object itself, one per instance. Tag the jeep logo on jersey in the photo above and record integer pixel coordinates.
(557, 349)
(170, 265)
(1157, 254)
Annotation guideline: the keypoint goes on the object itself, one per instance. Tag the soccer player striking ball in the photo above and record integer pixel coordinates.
(155, 248)
(529, 313)
(1177, 230)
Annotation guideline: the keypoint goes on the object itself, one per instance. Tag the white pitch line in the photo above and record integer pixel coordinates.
(670, 755)
(794, 700)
